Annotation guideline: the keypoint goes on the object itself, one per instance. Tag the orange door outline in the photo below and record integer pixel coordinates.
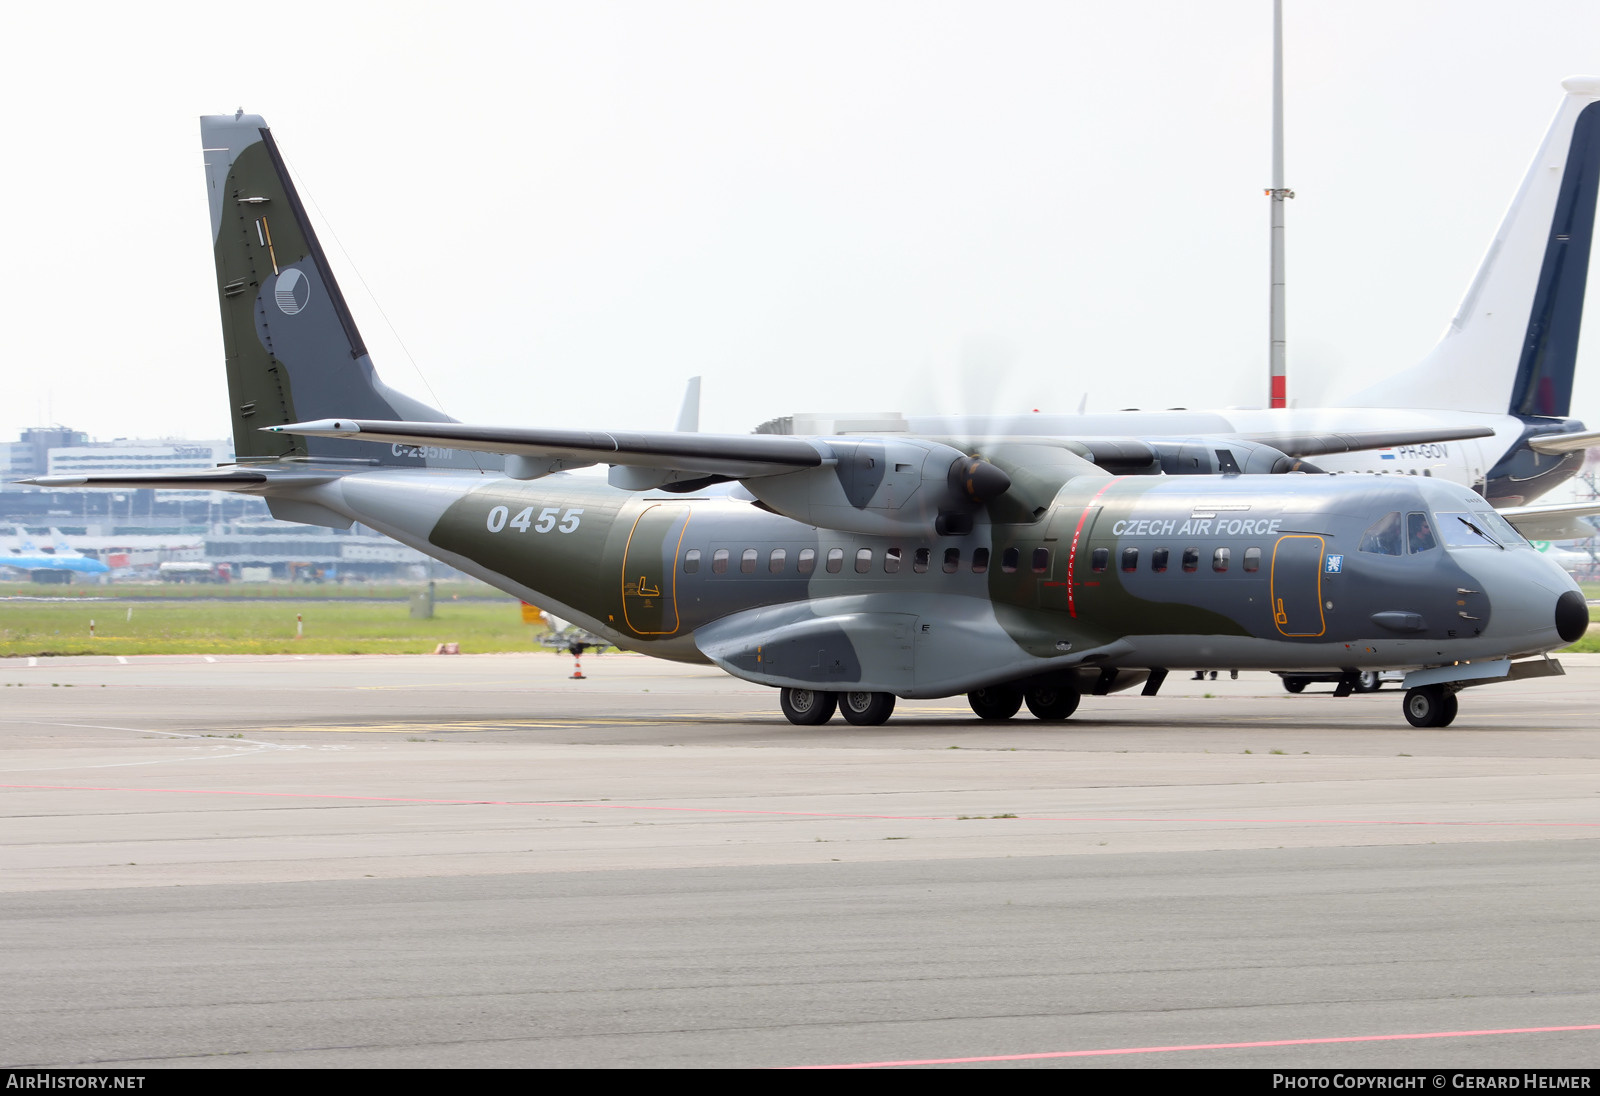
(1290, 584)
(648, 560)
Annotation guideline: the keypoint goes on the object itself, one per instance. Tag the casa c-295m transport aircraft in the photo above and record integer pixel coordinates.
(848, 571)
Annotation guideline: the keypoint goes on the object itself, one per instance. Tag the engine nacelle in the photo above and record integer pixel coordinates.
(1224, 456)
(884, 487)
(1187, 456)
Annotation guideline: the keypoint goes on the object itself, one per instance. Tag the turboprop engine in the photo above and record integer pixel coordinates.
(886, 486)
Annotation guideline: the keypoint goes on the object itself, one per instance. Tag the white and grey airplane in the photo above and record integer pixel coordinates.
(1489, 407)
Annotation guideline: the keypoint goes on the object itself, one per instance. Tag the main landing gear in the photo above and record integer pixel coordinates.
(810, 707)
(1050, 703)
(1430, 706)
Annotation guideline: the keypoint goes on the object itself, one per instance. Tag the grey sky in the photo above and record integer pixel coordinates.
(566, 209)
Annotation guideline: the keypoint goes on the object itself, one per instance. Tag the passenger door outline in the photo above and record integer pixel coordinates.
(649, 573)
(1297, 585)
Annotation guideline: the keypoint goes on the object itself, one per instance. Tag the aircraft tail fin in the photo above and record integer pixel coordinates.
(1512, 344)
(293, 349)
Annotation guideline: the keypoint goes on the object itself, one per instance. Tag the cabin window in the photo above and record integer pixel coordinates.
(980, 560)
(952, 560)
(919, 562)
(1383, 536)
(891, 561)
(1220, 558)
(863, 561)
(1008, 560)
(719, 561)
(747, 561)
(691, 561)
(1252, 559)
(1130, 559)
(1419, 533)
(1041, 560)
(776, 560)
(807, 561)
(1099, 559)
(1191, 559)
(835, 560)
(1158, 559)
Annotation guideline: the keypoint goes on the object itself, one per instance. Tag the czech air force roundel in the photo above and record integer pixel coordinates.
(292, 292)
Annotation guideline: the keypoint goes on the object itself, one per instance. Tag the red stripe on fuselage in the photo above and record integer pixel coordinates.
(1072, 553)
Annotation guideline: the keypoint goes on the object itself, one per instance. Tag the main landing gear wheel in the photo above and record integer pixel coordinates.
(866, 709)
(1430, 706)
(1050, 703)
(996, 702)
(1368, 681)
(807, 707)
(1295, 684)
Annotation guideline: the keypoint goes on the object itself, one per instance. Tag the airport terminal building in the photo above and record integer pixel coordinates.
(179, 535)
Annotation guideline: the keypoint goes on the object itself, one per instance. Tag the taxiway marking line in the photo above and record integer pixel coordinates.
(790, 814)
(1209, 1046)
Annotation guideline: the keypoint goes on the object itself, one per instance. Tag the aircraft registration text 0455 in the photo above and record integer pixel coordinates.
(499, 518)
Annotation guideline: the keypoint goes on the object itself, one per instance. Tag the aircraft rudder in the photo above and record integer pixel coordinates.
(1511, 345)
(294, 352)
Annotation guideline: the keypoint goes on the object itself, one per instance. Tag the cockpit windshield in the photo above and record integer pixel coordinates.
(1478, 529)
(1501, 529)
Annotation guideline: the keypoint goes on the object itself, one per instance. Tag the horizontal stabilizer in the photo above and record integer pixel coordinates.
(546, 451)
(211, 479)
(1558, 521)
(1564, 443)
(1352, 441)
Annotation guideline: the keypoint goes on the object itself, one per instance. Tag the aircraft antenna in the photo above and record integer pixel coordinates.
(1278, 391)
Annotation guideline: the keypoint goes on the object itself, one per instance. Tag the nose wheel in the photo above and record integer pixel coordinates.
(1430, 706)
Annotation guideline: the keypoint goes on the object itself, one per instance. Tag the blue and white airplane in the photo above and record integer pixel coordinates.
(60, 558)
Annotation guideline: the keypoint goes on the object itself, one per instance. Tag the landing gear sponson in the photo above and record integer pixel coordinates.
(1430, 700)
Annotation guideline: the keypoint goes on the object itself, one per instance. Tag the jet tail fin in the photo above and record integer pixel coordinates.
(1512, 344)
(293, 349)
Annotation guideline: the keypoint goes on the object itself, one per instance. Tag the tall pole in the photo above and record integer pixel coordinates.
(1277, 352)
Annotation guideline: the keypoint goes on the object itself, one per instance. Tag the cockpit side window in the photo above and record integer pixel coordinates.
(1383, 536)
(1419, 533)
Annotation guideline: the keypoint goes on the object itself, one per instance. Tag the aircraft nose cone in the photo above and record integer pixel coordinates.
(1572, 616)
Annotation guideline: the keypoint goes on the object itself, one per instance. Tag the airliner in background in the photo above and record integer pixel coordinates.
(1489, 407)
(58, 564)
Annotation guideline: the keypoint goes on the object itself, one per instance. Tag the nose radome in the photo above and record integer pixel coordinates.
(1572, 616)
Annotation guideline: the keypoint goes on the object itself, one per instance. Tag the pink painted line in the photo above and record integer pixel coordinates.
(1204, 1046)
(782, 814)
